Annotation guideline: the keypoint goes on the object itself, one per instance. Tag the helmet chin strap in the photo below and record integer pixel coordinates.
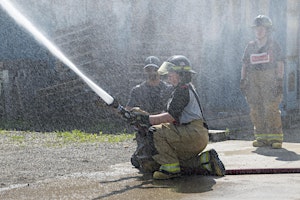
(153, 79)
(262, 41)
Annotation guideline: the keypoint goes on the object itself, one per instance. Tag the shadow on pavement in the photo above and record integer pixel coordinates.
(184, 184)
(280, 154)
(189, 184)
(125, 189)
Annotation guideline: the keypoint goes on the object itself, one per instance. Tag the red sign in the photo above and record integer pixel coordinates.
(259, 58)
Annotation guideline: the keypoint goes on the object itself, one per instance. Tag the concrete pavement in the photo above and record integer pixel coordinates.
(124, 182)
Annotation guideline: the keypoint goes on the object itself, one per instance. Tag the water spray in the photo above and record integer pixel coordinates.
(25, 23)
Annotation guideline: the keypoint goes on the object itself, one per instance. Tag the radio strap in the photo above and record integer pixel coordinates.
(197, 98)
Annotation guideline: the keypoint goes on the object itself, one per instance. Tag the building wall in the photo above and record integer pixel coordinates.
(122, 33)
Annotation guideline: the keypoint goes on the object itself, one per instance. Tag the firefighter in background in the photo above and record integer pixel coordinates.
(262, 84)
(180, 134)
(150, 96)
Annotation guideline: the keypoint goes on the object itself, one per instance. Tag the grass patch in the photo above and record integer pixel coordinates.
(60, 138)
(81, 137)
(18, 138)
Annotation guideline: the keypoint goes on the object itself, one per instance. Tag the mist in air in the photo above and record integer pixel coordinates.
(121, 34)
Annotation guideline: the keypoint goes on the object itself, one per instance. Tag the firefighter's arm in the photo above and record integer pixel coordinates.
(143, 118)
(279, 79)
(161, 118)
(280, 69)
(243, 82)
(243, 72)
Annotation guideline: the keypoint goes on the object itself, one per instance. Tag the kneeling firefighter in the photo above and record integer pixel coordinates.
(179, 135)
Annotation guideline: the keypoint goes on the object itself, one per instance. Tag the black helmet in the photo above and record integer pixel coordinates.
(152, 60)
(177, 63)
(263, 20)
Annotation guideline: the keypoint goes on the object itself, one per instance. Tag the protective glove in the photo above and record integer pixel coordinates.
(139, 117)
(125, 113)
(243, 86)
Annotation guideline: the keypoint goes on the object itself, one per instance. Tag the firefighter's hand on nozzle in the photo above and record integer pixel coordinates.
(139, 119)
(125, 113)
(135, 116)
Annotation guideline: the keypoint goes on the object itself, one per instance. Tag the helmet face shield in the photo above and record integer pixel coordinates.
(165, 68)
(177, 63)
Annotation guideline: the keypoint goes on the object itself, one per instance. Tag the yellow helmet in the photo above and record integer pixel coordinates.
(177, 63)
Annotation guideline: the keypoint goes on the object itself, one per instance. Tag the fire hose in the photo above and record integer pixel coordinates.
(249, 171)
(262, 171)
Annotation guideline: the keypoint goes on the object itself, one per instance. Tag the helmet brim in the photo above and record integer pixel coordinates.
(167, 67)
(151, 66)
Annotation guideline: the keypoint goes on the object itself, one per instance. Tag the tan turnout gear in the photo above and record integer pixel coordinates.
(261, 83)
(180, 135)
(170, 140)
(264, 111)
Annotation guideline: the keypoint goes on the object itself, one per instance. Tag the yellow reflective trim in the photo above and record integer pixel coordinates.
(181, 68)
(172, 168)
(275, 138)
(166, 67)
(204, 157)
(207, 167)
(269, 137)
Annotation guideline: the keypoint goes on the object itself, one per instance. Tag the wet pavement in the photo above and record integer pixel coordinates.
(124, 182)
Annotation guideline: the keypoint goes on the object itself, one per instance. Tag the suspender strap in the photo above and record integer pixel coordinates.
(197, 98)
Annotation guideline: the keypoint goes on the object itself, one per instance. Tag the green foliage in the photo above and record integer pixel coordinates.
(60, 138)
(18, 138)
(79, 136)
(227, 131)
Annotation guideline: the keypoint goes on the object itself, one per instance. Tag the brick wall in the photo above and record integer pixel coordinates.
(70, 103)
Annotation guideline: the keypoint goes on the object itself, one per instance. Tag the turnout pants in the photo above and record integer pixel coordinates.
(179, 146)
(264, 99)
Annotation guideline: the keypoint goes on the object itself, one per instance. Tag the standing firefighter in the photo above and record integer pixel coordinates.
(180, 134)
(261, 83)
(150, 96)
